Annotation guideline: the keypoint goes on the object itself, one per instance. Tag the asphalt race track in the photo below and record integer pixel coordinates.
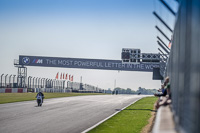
(60, 115)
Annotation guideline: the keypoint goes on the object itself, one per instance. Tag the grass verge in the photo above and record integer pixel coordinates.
(130, 120)
(18, 97)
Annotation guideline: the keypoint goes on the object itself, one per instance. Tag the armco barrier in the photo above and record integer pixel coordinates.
(2, 90)
(19, 90)
(49, 90)
(36, 90)
(8, 90)
(13, 90)
(24, 90)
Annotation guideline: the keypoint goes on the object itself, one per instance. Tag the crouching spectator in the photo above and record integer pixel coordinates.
(165, 96)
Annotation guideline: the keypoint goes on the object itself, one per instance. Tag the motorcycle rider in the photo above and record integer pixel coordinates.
(40, 94)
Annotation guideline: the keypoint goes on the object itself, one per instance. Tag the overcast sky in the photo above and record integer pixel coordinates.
(95, 29)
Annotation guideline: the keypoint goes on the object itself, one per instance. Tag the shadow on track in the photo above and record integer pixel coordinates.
(143, 110)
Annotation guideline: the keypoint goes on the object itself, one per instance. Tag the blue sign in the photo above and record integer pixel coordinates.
(85, 63)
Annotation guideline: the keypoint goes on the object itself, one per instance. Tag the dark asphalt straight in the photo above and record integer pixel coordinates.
(60, 115)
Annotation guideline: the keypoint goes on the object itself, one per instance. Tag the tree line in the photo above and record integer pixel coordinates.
(140, 90)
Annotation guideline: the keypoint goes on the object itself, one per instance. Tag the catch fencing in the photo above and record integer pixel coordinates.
(10, 84)
(183, 67)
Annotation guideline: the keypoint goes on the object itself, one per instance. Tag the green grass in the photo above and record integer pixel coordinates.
(18, 97)
(130, 120)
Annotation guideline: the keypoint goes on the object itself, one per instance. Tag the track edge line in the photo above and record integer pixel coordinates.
(92, 127)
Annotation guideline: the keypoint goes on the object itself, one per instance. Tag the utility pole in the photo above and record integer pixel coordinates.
(1, 80)
(81, 79)
(115, 86)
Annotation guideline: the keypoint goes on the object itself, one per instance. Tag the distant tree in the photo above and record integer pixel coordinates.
(133, 92)
(146, 91)
(128, 91)
(123, 91)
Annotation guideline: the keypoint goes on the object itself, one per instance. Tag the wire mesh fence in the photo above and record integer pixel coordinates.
(12, 81)
(184, 67)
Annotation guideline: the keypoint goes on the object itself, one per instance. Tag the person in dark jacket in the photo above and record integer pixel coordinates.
(165, 93)
(163, 90)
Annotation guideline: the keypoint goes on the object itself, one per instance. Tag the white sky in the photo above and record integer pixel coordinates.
(90, 29)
